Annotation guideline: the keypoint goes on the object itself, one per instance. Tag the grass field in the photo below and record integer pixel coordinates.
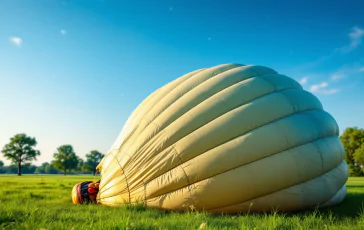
(44, 202)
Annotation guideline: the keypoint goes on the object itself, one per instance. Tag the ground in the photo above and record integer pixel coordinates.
(44, 202)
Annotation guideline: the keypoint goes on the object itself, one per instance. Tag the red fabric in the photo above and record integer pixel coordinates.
(92, 191)
(79, 193)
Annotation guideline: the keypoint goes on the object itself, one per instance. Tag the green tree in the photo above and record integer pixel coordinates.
(359, 156)
(11, 169)
(352, 139)
(29, 169)
(41, 169)
(65, 158)
(92, 160)
(20, 150)
(2, 168)
(50, 169)
(79, 164)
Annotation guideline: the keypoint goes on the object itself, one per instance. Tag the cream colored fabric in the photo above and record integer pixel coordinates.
(227, 139)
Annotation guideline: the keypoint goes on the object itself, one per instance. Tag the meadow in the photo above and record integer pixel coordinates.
(44, 202)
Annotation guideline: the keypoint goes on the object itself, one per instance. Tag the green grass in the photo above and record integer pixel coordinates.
(44, 202)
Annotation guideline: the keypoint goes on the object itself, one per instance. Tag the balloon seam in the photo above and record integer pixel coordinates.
(278, 190)
(151, 120)
(257, 98)
(243, 165)
(302, 111)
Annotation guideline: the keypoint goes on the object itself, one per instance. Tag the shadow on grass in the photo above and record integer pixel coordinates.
(352, 206)
(355, 186)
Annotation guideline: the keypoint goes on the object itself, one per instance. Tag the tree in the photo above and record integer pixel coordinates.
(41, 169)
(352, 139)
(65, 158)
(50, 169)
(11, 169)
(29, 169)
(79, 164)
(20, 150)
(92, 160)
(359, 156)
(2, 170)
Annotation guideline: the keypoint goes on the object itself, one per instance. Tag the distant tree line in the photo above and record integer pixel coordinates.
(353, 142)
(20, 151)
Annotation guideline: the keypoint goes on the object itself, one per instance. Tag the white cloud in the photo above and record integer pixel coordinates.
(322, 88)
(16, 41)
(63, 32)
(347, 71)
(315, 88)
(329, 91)
(303, 80)
(337, 76)
(356, 37)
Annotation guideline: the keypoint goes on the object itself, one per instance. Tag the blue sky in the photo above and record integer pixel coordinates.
(71, 72)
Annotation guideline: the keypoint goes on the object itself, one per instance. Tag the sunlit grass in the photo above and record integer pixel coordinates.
(44, 202)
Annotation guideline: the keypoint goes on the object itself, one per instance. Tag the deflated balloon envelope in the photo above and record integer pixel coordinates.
(227, 139)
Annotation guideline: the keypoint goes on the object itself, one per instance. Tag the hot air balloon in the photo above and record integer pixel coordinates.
(227, 139)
